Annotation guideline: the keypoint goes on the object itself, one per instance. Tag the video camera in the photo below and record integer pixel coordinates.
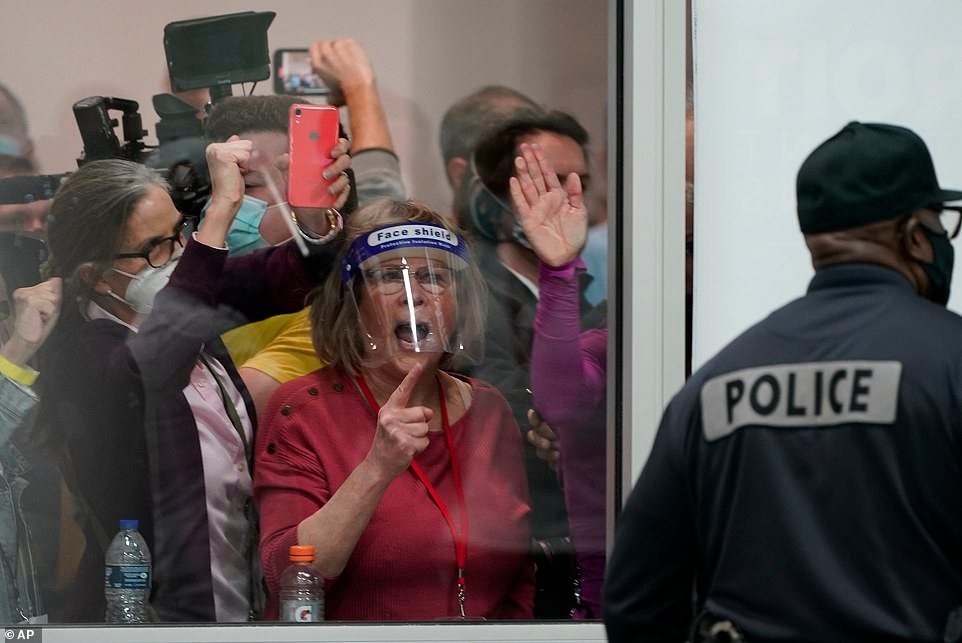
(213, 53)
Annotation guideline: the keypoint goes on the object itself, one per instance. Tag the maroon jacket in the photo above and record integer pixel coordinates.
(115, 398)
(318, 428)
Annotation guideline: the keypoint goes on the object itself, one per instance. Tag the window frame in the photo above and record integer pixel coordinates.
(646, 276)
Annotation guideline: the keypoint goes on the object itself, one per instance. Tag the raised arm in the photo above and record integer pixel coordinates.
(346, 68)
(35, 312)
(567, 365)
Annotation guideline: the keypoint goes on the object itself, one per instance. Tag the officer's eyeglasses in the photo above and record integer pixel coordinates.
(390, 279)
(159, 252)
(951, 219)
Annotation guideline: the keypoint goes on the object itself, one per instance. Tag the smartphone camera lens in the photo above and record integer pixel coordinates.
(297, 112)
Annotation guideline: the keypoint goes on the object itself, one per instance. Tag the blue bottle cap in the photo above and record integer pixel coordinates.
(129, 524)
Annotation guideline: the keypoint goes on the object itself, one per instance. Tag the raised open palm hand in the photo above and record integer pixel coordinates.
(553, 216)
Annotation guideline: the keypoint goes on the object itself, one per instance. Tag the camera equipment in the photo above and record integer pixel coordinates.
(294, 75)
(177, 119)
(213, 52)
(218, 51)
(29, 188)
(180, 155)
(97, 129)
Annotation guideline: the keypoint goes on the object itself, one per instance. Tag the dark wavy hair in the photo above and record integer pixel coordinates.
(493, 165)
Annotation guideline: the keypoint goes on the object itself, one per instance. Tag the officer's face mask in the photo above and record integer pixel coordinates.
(939, 270)
(144, 286)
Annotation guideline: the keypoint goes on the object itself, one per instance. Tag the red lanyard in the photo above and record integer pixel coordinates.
(460, 540)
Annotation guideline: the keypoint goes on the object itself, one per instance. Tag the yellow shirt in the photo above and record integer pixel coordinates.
(279, 346)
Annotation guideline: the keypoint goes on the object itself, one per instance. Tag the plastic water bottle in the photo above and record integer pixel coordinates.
(127, 576)
(302, 588)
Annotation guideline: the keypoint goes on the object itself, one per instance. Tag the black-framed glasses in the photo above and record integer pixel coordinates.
(159, 252)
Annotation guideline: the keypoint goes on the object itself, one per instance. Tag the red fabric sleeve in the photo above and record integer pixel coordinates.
(289, 484)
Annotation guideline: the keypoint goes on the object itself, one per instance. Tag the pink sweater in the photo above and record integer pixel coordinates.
(319, 427)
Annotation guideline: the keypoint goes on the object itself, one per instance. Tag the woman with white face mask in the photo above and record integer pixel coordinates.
(141, 400)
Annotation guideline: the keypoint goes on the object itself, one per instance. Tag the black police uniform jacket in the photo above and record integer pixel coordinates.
(806, 483)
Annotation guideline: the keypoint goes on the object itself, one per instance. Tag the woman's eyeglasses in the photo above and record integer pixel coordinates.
(159, 252)
(390, 280)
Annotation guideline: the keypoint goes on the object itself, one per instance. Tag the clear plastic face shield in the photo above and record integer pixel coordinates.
(407, 282)
(489, 212)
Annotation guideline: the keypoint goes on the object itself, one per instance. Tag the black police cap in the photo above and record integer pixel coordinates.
(868, 172)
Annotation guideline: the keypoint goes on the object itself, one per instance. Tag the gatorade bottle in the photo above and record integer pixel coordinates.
(302, 588)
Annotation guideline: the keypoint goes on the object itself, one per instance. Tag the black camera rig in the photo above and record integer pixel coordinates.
(213, 53)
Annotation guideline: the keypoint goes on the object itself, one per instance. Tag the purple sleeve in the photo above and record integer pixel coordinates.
(567, 365)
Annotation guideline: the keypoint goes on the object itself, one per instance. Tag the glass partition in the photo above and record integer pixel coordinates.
(159, 401)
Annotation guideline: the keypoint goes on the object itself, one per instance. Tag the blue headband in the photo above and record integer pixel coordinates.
(394, 237)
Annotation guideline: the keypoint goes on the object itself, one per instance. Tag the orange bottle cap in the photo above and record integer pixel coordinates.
(302, 553)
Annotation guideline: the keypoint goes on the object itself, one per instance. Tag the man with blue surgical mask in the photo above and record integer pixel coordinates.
(262, 120)
(280, 349)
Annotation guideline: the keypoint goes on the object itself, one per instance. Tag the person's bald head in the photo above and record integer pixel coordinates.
(471, 118)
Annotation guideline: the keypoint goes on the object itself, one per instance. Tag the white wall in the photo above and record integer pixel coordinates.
(772, 81)
(427, 54)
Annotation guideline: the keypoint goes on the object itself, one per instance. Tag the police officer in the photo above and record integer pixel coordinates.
(806, 483)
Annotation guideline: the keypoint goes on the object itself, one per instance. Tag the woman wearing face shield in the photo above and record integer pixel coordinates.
(407, 480)
(143, 406)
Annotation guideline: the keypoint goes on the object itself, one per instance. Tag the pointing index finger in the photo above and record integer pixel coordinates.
(402, 393)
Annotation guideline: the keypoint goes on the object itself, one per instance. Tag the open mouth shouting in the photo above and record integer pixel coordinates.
(413, 334)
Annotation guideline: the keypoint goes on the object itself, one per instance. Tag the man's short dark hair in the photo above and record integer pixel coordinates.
(494, 156)
(237, 114)
(483, 211)
(467, 121)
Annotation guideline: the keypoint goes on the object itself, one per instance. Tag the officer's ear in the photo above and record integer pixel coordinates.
(915, 243)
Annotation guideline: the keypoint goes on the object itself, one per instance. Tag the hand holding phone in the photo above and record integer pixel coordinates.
(313, 134)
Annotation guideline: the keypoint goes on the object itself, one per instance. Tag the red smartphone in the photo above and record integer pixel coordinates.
(313, 134)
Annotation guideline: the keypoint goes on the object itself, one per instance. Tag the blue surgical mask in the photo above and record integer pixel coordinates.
(244, 235)
(10, 147)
